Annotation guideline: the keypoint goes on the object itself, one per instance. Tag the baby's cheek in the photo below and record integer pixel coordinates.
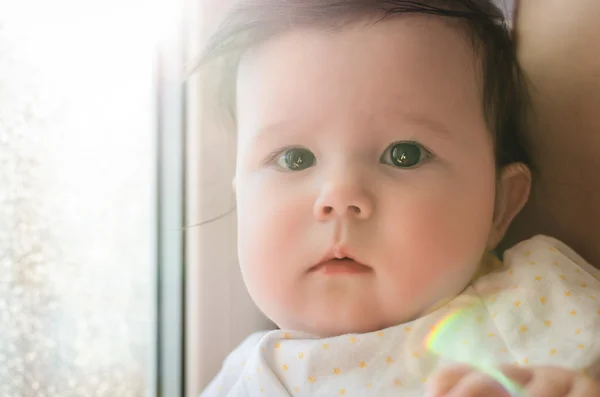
(272, 248)
(262, 269)
(434, 249)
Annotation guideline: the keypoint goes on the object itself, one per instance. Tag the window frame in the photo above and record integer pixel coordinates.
(171, 193)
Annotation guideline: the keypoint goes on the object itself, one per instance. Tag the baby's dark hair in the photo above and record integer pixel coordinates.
(505, 99)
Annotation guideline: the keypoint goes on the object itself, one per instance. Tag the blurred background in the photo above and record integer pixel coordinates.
(78, 202)
(107, 287)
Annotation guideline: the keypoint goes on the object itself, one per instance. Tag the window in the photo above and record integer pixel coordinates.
(84, 203)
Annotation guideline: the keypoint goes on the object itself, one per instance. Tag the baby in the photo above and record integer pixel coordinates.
(380, 162)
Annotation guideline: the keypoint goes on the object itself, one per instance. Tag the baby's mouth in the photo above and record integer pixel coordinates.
(340, 266)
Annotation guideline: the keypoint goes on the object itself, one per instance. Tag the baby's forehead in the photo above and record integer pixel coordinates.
(411, 64)
(367, 34)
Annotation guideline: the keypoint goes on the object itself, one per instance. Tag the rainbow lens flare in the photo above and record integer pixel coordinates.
(442, 341)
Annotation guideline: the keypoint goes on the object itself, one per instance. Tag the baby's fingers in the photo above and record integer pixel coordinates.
(464, 381)
(444, 380)
(585, 386)
(556, 382)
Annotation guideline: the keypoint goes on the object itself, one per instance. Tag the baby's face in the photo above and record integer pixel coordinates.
(369, 141)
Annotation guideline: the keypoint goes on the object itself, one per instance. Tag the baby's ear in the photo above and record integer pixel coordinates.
(512, 192)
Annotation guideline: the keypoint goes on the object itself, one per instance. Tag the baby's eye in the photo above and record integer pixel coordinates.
(296, 159)
(404, 154)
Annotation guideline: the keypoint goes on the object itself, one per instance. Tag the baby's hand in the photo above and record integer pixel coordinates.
(464, 381)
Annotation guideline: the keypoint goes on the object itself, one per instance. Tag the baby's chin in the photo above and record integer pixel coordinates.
(335, 324)
(336, 330)
(342, 309)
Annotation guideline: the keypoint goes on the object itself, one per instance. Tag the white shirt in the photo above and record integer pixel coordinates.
(541, 307)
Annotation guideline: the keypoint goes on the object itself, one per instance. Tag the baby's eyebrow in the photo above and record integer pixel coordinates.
(281, 128)
(275, 127)
(417, 119)
(289, 128)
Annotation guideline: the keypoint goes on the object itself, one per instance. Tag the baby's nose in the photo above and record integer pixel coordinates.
(343, 201)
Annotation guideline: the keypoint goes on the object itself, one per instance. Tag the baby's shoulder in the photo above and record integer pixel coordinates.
(549, 256)
(246, 349)
(545, 303)
(233, 366)
(541, 267)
